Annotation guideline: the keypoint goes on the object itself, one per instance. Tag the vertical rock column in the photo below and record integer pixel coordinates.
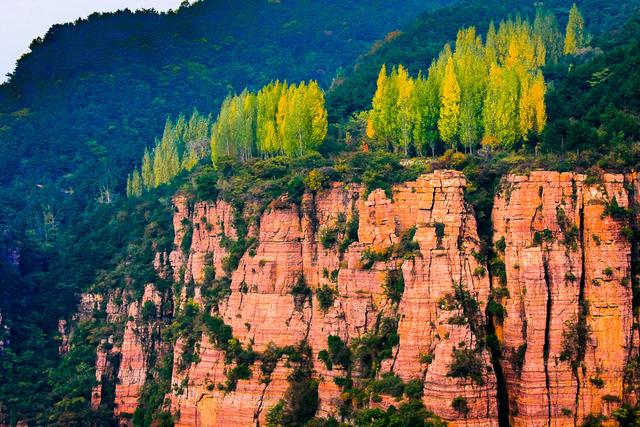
(544, 228)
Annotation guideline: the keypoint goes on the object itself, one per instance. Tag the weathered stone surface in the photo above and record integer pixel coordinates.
(562, 251)
(261, 309)
(135, 351)
(559, 246)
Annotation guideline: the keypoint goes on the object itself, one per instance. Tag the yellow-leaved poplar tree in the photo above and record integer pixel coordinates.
(449, 121)
(574, 36)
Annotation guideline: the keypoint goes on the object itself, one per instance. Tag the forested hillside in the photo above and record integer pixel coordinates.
(99, 90)
(419, 43)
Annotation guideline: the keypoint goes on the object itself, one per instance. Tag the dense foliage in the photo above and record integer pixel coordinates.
(419, 44)
(279, 119)
(492, 91)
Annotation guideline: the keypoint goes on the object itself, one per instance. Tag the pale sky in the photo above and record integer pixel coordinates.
(21, 21)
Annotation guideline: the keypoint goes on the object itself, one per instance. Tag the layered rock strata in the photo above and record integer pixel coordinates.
(558, 293)
(566, 293)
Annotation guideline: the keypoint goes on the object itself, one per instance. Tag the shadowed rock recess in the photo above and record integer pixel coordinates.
(540, 332)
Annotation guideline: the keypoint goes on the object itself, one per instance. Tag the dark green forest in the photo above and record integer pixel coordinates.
(73, 126)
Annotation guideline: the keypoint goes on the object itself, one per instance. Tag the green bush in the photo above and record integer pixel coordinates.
(413, 389)
(593, 420)
(467, 364)
(575, 338)
(439, 226)
(371, 348)
(185, 244)
(207, 184)
(339, 353)
(329, 237)
(614, 210)
(496, 310)
(323, 355)
(371, 256)
(597, 382)
(389, 384)
(460, 405)
(301, 292)
(325, 296)
(394, 285)
(544, 236)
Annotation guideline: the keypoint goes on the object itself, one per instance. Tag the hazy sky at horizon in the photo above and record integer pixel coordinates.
(21, 21)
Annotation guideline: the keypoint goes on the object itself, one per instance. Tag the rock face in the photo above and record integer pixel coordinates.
(566, 332)
(262, 311)
(558, 293)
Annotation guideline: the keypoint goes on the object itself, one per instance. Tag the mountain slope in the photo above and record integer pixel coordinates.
(100, 89)
(422, 41)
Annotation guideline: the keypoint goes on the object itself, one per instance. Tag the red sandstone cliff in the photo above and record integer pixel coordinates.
(567, 265)
(563, 256)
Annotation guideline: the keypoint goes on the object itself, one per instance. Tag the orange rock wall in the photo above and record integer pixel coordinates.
(584, 260)
(261, 309)
(561, 252)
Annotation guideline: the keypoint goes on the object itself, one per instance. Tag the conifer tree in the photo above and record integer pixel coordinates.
(449, 121)
(574, 35)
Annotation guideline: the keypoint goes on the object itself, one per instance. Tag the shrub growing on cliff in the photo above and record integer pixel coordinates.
(406, 248)
(394, 285)
(460, 405)
(301, 292)
(185, 243)
(325, 296)
(615, 211)
(467, 364)
(152, 396)
(412, 413)
(575, 338)
(148, 311)
(439, 227)
(301, 399)
(389, 384)
(371, 348)
(371, 256)
(219, 332)
(338, 351)
(544, 236)
(496, 310)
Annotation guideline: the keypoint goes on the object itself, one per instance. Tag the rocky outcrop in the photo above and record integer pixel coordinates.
(137, 345)
(557, 294)
(292, 249)
(566, 294)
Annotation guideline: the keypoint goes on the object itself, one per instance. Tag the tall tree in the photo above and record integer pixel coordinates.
(147, 170)
(404, 106)
(574, 36)
(426, 110)
(546, 28)
(449, 121)
(500, 116)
